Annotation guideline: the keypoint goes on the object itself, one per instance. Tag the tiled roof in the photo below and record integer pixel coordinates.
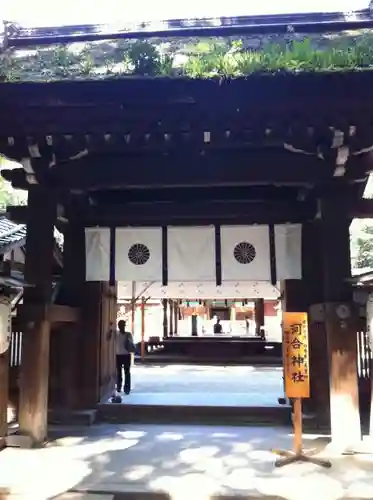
(11, 234)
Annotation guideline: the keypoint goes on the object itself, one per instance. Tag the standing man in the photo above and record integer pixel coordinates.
(124, 349)
(217, 327)
(247, 325)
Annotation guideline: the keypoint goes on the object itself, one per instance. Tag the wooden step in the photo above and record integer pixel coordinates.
(173, 359)
(180, 414)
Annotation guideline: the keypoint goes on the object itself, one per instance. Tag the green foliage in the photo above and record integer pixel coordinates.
(9, 196)
(364, 258)
(145, 58)
(192, 58)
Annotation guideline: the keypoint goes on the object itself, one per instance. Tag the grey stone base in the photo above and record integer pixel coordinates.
(77, 417)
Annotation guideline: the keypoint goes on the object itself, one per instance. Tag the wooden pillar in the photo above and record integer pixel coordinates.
(66, 342)
(341, 324)
(165, 318)
(142, 328)
(133, 307)
(176, 316)
(4, 396)
(4, 390)
(171, 317)
(208, 313)
(369, 330)
(313, 294)
(90, 339)
(34, 373)
(107, 340)
(259, 316)
(233, 312)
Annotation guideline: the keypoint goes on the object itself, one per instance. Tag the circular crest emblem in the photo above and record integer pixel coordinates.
(343, 311)
(244, 252)
(139, 254)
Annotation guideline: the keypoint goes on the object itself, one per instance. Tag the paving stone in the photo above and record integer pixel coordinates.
(206, 385)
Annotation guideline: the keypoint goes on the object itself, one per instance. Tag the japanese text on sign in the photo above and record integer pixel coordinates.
(295, 351)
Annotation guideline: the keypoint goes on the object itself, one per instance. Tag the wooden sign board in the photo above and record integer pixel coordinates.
(295, 352)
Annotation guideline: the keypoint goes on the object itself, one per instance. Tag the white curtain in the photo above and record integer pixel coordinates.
(191, 254)
(97, 245)
(245, 254)
(138, 254)
(288, 243)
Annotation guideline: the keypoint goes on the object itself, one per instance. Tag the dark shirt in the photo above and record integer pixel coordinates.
(218, 328)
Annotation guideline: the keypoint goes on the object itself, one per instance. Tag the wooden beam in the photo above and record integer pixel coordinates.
(206, 168)
(53, 313)
(204, 27)
(115, 103)
(239, 200)
(205, 193)
(218, 212)
(225, 168)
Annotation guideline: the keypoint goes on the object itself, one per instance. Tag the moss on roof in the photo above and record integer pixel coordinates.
(192, 58)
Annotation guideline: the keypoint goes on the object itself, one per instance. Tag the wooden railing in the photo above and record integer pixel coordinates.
(364, 350)
(15, 354)
(364, 355)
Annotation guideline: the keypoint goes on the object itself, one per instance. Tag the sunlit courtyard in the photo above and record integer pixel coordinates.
(205, 385)
(179, 462)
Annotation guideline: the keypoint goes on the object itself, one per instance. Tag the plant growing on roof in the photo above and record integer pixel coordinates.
(192, 58)
(145, 58)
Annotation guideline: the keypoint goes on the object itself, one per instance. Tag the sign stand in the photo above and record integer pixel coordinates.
(298, 455)
(297, 384)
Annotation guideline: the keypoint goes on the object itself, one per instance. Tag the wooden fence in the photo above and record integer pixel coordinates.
(364, 357)
(364, 360)
(15, 355)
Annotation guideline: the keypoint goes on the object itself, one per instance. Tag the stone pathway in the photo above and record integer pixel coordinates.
(179, 463)
(205, 385)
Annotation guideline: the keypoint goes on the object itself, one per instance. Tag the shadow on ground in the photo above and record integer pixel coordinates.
(181, 463)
